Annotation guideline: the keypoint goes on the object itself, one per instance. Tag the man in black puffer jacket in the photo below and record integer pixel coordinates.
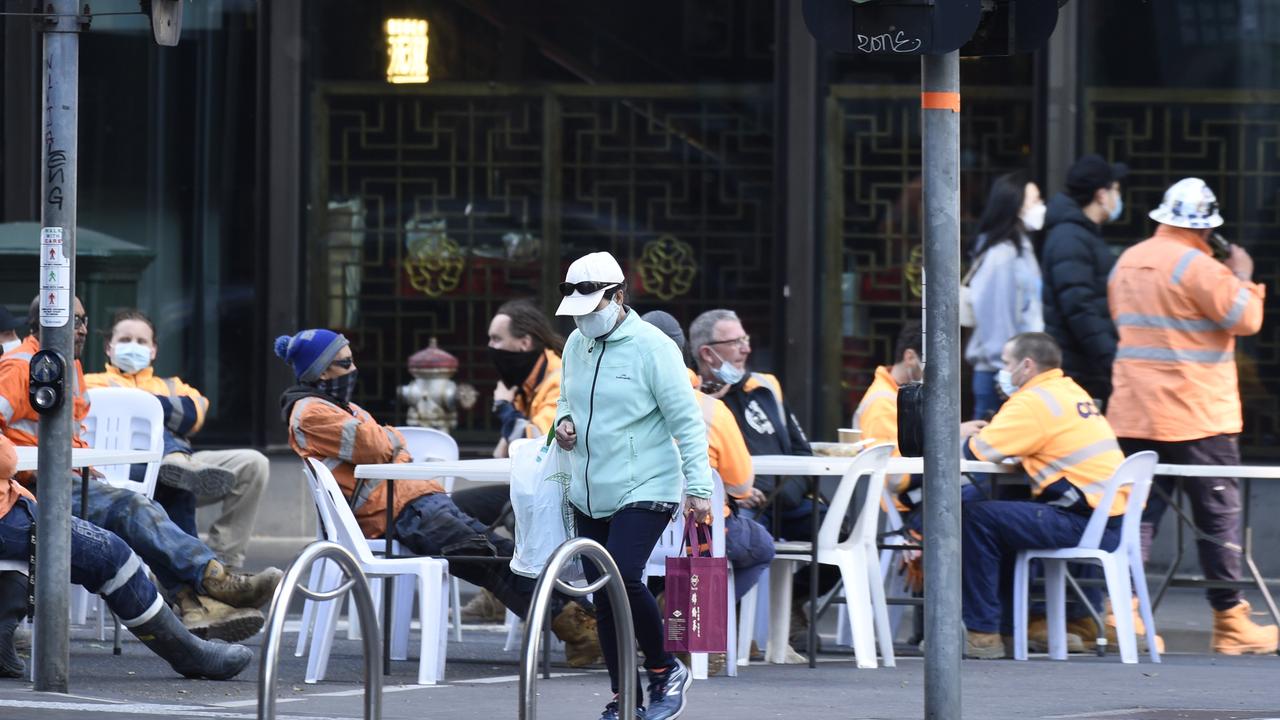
(1076, 263)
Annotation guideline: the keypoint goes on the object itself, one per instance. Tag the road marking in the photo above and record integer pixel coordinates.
(187, 711)
(514, 678)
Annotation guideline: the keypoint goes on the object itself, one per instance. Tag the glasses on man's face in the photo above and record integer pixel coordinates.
(742, 342)
(344, 363)
(586, 287)
(82, 321)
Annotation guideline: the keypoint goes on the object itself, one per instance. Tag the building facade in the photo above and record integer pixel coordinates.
(294, 164)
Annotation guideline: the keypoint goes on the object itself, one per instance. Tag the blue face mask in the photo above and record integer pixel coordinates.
(1004, 379)
(1119, 209)
(727, 373)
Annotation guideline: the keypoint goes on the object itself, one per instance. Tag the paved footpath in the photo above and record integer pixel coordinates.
(481, 682)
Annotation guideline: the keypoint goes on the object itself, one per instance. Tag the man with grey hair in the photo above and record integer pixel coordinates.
(720, 348)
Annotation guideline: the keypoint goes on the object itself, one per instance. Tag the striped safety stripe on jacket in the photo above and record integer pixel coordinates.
(1066, 446)
(18, 420)
(341, 440)
(184, 407)
(1178, 312)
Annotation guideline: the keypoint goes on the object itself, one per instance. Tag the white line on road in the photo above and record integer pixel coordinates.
(187, 711)
(513, 678)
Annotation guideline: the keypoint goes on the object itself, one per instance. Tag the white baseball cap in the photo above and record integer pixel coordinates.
(596, 273)
(1189, 203)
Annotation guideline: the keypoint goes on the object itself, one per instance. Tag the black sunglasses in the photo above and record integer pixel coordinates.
(586, 287)
(344, 363)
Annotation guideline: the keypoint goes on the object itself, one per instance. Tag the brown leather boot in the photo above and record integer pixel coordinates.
(484, 607)
(209, 619)
(983, 646)
(576, 628)
(1139, 628)
(239, 589)
(1235, 633)
(1038, 637)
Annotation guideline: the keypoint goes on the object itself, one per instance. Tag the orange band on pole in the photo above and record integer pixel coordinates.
(940, 101)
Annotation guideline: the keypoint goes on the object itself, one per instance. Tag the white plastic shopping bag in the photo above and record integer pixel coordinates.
(540, 474)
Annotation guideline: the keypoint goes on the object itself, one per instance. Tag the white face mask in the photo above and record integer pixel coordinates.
(600, 322)
(1033, 217)
(6, 347)
(130, 357)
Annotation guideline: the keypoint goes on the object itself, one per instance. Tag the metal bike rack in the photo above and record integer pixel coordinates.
(548, 582)
(363, 601)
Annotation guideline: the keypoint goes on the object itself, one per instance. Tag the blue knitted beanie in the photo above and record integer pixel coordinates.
(310, 352)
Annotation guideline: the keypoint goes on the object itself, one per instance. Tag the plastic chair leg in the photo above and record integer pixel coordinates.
(322, 639)
(513, 632)
(1121, 597)
(430, 598)
(1021, 590)
(1144, 604)
(879, 609)
(746, 625)
(402, 615)
(1055, 590)
(858, 605)
(315, 581)
(779, 610)
(731, 634)
(456, 600)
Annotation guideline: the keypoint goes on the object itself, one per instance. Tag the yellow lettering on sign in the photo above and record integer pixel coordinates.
(407, 42)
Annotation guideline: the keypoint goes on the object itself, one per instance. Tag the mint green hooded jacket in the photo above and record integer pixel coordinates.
(629, 396)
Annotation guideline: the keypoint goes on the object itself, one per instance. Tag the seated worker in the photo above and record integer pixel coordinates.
(216, 603)
(236, 478)
(748, 544)
(103, 564)
(1069, 451)
(720, 348)
(324, 424)
(525, 350)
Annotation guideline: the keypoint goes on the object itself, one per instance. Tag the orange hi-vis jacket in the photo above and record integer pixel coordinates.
(538, 395)
(877, 418)
(726, 450)
(1066, 446)
(19, 422)
(1178, 312)
(10, 490)
(341, 440)
(185, 408)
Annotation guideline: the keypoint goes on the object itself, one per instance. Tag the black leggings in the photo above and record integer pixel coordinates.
(629, 536)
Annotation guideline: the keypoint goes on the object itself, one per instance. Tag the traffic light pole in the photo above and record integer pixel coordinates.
(944, 634)
(57, 332)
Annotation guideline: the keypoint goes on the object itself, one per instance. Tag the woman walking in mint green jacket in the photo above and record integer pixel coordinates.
(624, 398)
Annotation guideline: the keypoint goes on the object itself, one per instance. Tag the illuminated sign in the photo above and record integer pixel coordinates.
(407, 51)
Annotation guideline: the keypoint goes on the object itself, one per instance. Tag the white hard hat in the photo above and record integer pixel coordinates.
(1189, 203)
(599, 268)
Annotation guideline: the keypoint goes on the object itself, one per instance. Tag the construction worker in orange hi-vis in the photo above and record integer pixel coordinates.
(1179, 299)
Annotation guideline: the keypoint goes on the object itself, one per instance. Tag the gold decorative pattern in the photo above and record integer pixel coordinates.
(667, 267)
(435, 260)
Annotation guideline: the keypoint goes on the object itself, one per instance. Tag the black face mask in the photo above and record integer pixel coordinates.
(514, 367)
(340, 387)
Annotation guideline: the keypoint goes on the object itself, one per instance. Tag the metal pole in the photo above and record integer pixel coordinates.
(57, 330)
(940, 124)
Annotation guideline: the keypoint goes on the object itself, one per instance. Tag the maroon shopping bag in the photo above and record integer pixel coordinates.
(697, 598)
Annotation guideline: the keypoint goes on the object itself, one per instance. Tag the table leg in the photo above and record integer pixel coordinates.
(814, 481)
(389, 583)
(1166, 581)
(84, 492)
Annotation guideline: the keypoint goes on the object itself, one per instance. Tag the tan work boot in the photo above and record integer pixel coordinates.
(1038, 637)
(1234, 633)
(209, 619)
(1139, 628)
(484, 607)
(238, 589)
(576, 628)
(983, 646)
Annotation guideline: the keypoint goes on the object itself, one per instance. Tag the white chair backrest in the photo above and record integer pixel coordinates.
(346, 530)
(1136, 470)
(125, 419)
(430, 444)
(324, 519)
(671, 541)
(869, 463)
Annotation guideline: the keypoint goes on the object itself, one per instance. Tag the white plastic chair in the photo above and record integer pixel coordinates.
(671, 543)
(120, 419)
(430, 444)
(431, 574)
(857, 558)
(1117, 566)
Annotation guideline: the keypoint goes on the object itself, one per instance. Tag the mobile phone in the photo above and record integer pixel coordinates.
(1220, 246)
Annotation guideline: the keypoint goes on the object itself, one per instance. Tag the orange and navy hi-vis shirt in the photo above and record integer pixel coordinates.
(184, 407)
(1178, 312)
(10, 490)
(726, 450)
(18, 420)
(877, 418)
(538, 395)
(341, 440)
(1065, 445)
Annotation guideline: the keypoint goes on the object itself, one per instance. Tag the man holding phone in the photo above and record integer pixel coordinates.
(1176, 388)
